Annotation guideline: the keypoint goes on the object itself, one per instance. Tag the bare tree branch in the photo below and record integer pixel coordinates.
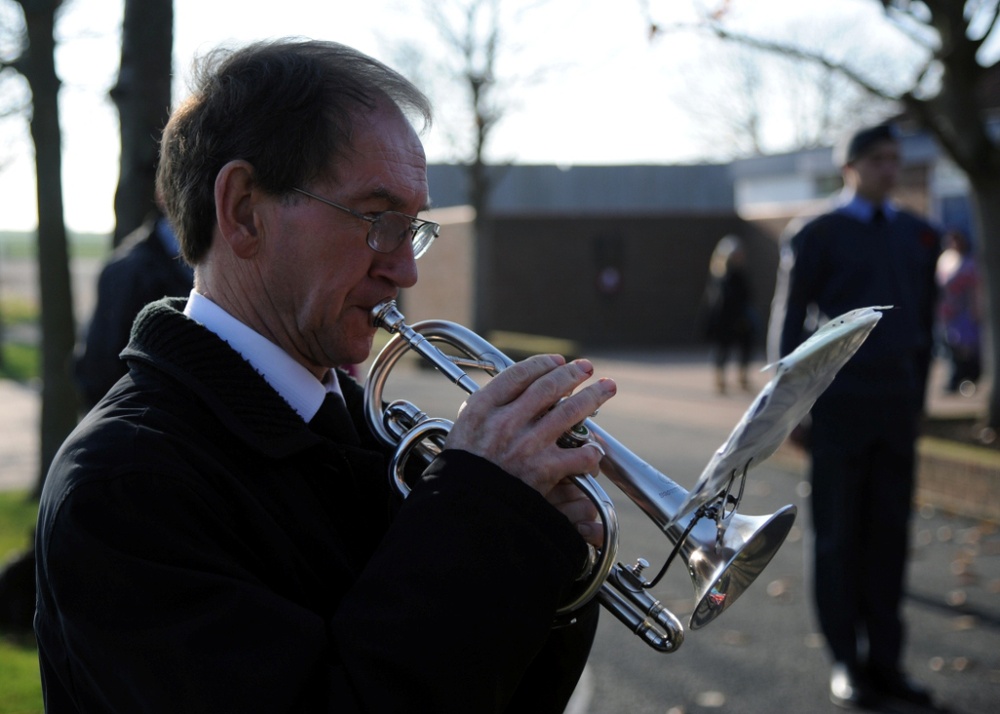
(798, 53)
(904, 18)
(946, 98)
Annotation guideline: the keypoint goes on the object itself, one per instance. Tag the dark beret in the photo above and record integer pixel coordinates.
(855, 145)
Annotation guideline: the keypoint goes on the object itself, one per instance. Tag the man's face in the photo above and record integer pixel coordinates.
(320, 279)
(875, 173)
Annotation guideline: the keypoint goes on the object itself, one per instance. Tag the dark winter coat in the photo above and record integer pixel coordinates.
(200, 549)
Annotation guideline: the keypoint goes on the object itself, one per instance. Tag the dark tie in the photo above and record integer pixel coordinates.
(333, 421)
(878, 217)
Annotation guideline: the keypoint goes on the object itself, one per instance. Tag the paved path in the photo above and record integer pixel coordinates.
(667, 380)
(763, 656)
(19, 419)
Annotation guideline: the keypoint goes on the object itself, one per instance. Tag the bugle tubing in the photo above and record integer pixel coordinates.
(723, 551)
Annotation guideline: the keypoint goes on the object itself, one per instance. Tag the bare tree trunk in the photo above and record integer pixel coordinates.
(987, 215)
(59, 402)
(483, 259)
(958, 119)
(142, 95)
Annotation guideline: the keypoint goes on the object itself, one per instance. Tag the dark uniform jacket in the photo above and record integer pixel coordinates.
(838, 263)
(201, 549)
(139, 271)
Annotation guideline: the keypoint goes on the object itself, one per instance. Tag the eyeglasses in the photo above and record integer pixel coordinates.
(388, 229)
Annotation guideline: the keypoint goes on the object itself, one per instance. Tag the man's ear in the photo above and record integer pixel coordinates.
(850, 175)
(235, 212)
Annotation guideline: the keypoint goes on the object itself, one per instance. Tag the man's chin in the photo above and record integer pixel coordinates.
(360, 349)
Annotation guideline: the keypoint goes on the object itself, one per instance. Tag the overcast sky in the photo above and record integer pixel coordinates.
(605, 95)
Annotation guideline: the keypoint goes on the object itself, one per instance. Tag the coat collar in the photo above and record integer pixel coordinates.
(199, 361)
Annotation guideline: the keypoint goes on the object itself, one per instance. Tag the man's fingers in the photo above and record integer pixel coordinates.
(566, 491)
(581, 512)
(516, 419)
(574, 409)
(512, 382)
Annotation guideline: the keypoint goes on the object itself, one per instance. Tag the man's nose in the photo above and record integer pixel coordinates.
(399, 266)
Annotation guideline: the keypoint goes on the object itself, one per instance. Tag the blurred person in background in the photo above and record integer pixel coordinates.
(864, 252)
(730, 318)
(145, 267)
(959, 312)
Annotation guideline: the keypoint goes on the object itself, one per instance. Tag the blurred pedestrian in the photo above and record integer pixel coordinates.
(864, 252)
(730, 319)
(958, 311)
(145, 267)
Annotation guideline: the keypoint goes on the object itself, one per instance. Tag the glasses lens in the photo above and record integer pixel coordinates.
(423, 238)
(390, 229)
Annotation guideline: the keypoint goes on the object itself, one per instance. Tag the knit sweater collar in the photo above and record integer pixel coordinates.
(199, 361)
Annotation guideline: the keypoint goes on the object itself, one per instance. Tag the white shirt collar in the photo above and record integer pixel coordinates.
(291, 380)
(852, 204)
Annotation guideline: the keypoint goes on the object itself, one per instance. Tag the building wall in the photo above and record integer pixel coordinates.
(444, 286)
(549, 274)
(615, 281)
(586, 255)
(774, 190)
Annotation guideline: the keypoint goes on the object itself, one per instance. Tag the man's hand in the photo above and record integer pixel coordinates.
(516, 419)
(573, 503)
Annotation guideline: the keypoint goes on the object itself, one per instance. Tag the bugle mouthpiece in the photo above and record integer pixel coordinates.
(387, 316)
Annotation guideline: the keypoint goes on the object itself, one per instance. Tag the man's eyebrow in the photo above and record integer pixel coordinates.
(393, 199)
